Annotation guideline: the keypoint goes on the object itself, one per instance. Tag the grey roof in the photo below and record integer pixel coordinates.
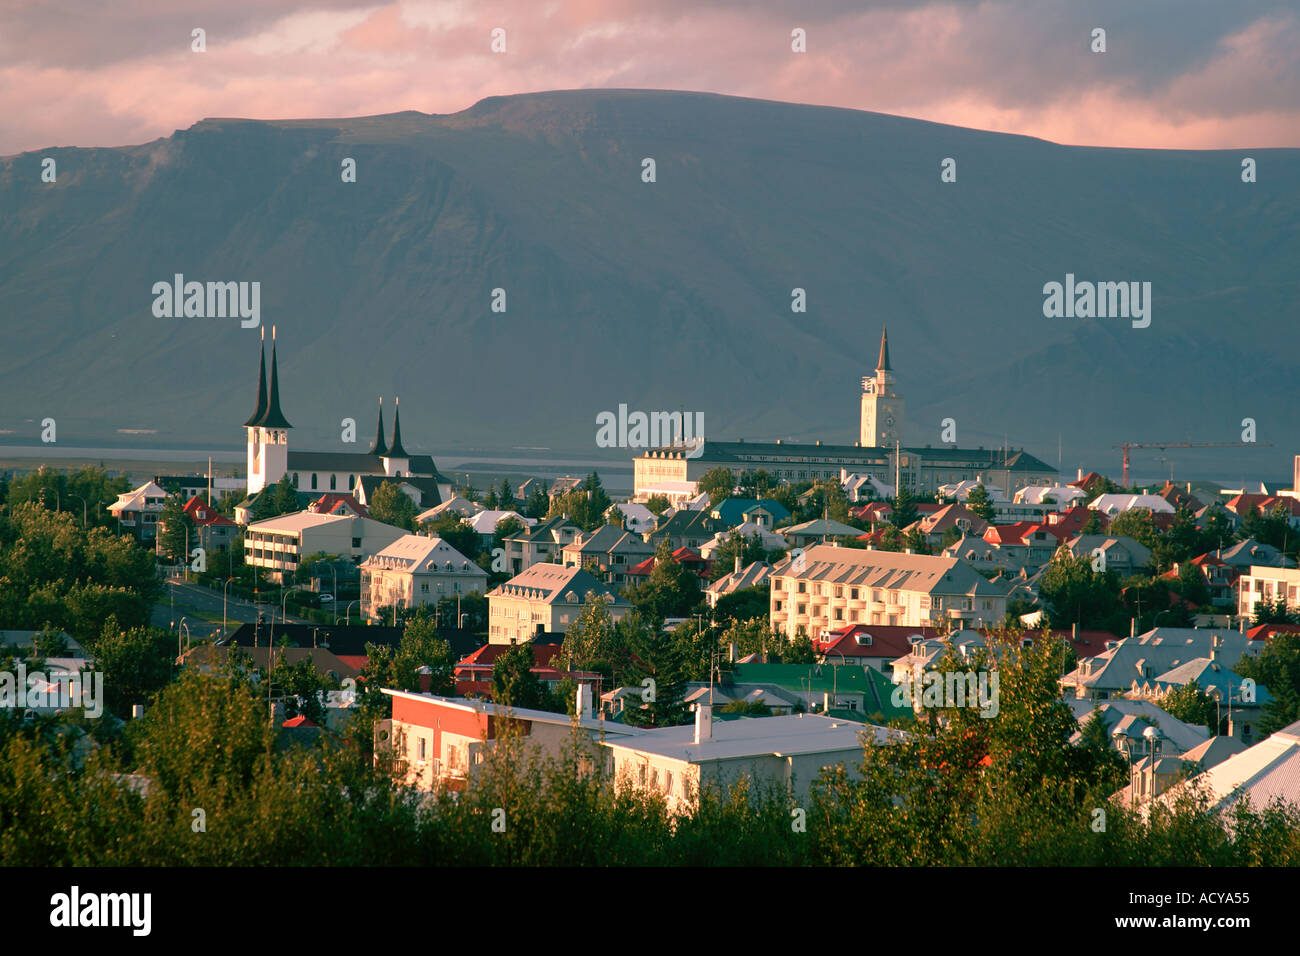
(747, 577)
(550, 583)
(856, 455)
(428, 487)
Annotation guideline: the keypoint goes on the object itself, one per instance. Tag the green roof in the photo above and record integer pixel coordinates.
(877, 689)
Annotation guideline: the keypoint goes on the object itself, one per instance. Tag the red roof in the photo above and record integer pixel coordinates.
(357, 661)
(887, 640)
(332, 503)
(1262, 632)
(205, 515)
(1008, 533)
(1087, 481)
(299, 721)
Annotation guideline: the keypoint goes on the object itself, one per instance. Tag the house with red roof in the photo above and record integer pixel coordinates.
(215, 530)
(334, 503)
(870, 645)
(474, 673)
(687, 557)
(1220, 577)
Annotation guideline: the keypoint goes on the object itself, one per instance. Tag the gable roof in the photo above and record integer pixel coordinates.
(551, 583)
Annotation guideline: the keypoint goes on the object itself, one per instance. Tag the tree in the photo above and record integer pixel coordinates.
(1277, 668)
(513, 682)
(420, 649)
(672, 590)
(393, 506)
(492, 502)
(1077, 593)
(506, 496)
(456, 531)
(980, 503)
(136, 663)
(659, 671)
(755, 483)
(1192, 706)
(587, 640)
(286, 496)
(747, 549)
(585, 505)
(657, 504)
(538, 502)
(718, 483)
(1137, 524)
(743, 604)
(176, 531)
(904, 509)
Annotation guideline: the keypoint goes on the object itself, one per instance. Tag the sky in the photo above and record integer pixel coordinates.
(1181, 74)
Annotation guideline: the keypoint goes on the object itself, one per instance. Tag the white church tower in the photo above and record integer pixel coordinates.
(268, 429)
(882, 408)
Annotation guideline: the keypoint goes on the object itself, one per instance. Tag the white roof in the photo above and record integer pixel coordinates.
(1268, 771)
(1034, 494)
(758, 736)
(1116, 504)
(416, 553)
(961, 490)
(457, 504)
(485, 522)
(134, 500)
(297, 522)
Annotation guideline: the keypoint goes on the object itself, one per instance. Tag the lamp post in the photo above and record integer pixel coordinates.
(179, 625)
(223, 604)
(348, 619)
(1124, 746)
(1151, 736)
(83, 509)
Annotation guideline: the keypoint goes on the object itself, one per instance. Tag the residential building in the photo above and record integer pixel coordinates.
(1122, 554)
(831, 587)
(1112, 673)
(443, 741)
(608, 553)
(414, 571)
(751, 576)
(1267, 585)
(474, 671)
(137, 510)
(278, 544)
(817, 531)
(1250, 553)
(788, 751)
(1266, 773)
(544, 542)
(764, 512)
(546, 598)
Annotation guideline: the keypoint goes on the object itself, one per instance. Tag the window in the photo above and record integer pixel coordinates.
(334, 479)
(356, 542)
(853, 594)
(313, 481)
(422, 748)
(296, 482)
(424, 586)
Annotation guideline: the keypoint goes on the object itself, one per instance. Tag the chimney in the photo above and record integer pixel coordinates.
(737, 564)
(731, 650)
(703, 722)
(584, 701)
(1079, 476)
(1132, 627)
(826, 703)
(1074, 632)
(277, 713)
(137, 710)
(424, 678)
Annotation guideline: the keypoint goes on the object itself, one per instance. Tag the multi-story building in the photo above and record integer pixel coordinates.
(1267, 585)
(137, 510)
(546, 598)
(880, 454)
(608, 552)
(416, 570)
(278, 544)
(828, 587)
(544, 542)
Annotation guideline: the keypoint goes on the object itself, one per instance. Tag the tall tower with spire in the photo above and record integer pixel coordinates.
(268, 429)
(882, 407)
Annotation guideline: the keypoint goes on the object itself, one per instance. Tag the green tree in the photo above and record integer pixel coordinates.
(538, 502)
(285, 496)
(660, 672)
(904, 510)
(657, 504)
(1192, 706)
(588, 639)
(420, 653)
(456, 531)
(513, 682)
(980, 503)
(672, 589)
(1137, 524)
(718, 483)
(1277, 668)
(136, 662)
(748, 549)
(743, 604)
(393, 506)
(506, 496)
(1078, 594)
(176, 531)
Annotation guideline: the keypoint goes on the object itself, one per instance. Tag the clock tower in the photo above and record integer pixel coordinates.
(882, 408)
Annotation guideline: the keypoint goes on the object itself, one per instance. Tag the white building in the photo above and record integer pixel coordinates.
(786, 751)
(1112, 505)
(414, 571)
(278, 544)
(139, 508)
(1267, 585)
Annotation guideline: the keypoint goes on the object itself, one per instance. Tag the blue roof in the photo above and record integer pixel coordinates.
(732, 511)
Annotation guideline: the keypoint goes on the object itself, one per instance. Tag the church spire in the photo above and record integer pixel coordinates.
(261, 386)
(380, 447)
(882, 363)
(273, 417)
(396, 450)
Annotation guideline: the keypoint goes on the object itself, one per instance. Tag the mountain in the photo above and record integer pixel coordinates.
(664, 295)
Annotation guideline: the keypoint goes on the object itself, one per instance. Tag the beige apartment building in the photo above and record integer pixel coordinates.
(546, 598)
(837, 586)
(1267, 585)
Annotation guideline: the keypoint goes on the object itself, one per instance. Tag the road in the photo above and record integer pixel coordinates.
(190, 601)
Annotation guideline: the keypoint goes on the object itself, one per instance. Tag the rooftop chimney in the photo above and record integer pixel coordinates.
(584, 701)
(703, 722)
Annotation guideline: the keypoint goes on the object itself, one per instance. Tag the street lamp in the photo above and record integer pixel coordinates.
(223, 604)
(348, 619)
(180, 625)
(83, 509)
(1124, 746)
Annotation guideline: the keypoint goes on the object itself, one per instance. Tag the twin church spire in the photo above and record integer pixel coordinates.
(268, 414)
(382, 449)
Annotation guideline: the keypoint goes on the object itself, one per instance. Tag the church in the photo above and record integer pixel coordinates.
(318, 472)
(879, 452)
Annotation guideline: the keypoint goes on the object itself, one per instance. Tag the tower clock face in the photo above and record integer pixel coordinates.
(890, 421)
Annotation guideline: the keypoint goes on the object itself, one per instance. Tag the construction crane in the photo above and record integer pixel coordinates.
(1162, 445)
